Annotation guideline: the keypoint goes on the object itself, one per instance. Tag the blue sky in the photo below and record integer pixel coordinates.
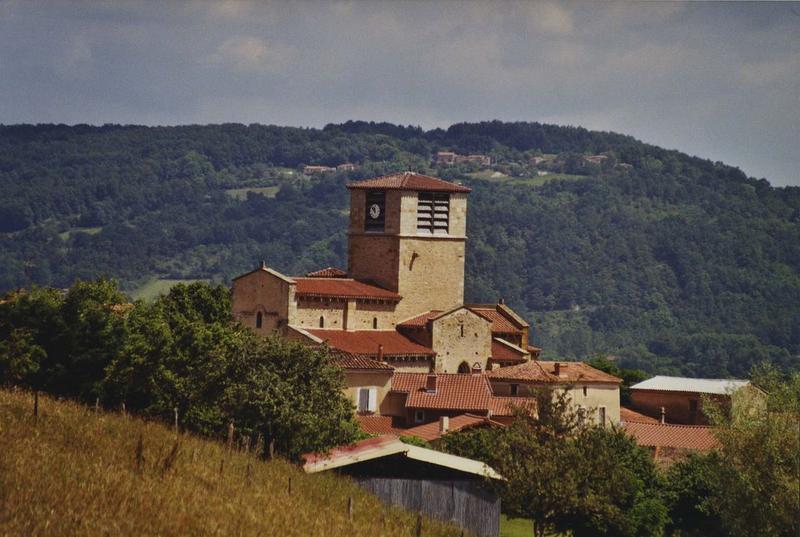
(718, 80)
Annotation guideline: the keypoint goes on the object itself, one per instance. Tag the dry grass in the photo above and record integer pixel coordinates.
(74, 472)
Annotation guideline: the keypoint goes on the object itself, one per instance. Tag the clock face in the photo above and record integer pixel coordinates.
(374, 211)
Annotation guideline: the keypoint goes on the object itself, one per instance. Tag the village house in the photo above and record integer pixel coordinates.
(449, 158)
(679, 400)
(411, 349)
(311, 169)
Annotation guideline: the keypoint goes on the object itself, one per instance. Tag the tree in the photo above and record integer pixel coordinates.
(755, 488)
(688, 485)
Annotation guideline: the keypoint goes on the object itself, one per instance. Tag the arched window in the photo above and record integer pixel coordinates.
(464, 367)
(374, 323)
(462, 330)
(321, 321)
(259, 319)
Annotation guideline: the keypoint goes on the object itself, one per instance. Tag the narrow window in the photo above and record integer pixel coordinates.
(462, 330)
(601, 414)
(321, 321)
(419, 416)
(259, 319)
(585, 391)
(515, 389)
(433, 213)
(374, 323)
(363, 400)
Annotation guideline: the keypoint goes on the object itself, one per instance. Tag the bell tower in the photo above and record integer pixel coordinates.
(407, 233)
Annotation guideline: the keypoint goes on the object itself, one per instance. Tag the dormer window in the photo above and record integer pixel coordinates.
(433, 213)
(375, 211)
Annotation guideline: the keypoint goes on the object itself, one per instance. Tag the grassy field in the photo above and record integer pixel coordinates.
(153, 288)
(241, 193)
(73, 472)
(90, 230)
(515, 527)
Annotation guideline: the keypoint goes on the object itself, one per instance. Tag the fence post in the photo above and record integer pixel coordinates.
(175, 411)
(36, 404)
(290, 485)
(139, 453)
(350, 508)
(123, 408)
(249, 478)
(97, 405)
(418, 533)
(230, 436)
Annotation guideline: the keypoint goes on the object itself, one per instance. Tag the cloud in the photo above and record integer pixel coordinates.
(551, 18)
(250, 54)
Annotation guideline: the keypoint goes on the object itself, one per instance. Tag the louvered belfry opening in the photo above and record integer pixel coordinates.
(433, 213)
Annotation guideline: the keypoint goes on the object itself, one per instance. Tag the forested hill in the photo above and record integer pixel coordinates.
(671, 262)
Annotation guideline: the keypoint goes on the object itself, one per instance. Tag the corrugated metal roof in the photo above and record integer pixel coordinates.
(683, 384)
(385, 446)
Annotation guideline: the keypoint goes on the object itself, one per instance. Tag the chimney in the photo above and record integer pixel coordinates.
(663, 415)
(502, 300)
(444, 424)
(430, 383)
(380, 352)
(560, 369)
(263, 265)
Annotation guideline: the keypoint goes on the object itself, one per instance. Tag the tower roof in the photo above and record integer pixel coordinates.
(409, 181)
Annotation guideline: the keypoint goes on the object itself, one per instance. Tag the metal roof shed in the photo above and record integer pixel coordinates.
(449, 488)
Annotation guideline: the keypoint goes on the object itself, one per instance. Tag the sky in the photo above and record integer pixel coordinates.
(717, 80)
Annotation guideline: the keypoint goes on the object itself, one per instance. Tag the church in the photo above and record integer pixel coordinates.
(412, 350)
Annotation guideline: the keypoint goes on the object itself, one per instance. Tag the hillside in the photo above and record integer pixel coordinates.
(74, 472)
(673, 263)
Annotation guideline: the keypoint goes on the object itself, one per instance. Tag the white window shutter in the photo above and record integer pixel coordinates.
(373, 399)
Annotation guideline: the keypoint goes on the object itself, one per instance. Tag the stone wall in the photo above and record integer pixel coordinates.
(263, 291)
(679, 407)
(461, 336)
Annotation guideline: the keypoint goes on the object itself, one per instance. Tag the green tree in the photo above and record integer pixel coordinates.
(757, 481)
(688, 485)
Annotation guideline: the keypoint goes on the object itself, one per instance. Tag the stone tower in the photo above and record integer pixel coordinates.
(407, 233)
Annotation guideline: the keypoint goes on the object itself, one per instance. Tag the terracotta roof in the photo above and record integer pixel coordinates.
(696, 437)
(500, 323)
(341, 288)
(420, 321)
(347, 360)
(410, 181)
(380, 424)
(578, 372)
(530, 371)
(432, 431)
(454, 391)
(507, 352)
(628, 415)
(505, 405)
(366, 342)
(328, 272)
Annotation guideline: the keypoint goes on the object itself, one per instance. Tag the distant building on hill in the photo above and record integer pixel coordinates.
(310, 170)
(449, 157)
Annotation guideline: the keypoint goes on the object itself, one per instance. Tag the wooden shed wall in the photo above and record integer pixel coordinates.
(468, 503)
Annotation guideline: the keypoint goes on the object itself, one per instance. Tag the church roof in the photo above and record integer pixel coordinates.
(409, 181)
(366, 342)
(328, 272)
(500, 323)
(505, 351)
(341, 288)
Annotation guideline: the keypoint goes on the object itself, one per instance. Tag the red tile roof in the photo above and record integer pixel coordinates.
(454, 391)
(530, 371)
(329, 272)
(578, 372)
(694, 437)
(506, 352)
(366, 342)
(505, 405)
(431, 431)
(628, 415)
(341, 288)
(347, 360)
(410, 181)
(420, 321)
(500, 323)
(380, 424)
